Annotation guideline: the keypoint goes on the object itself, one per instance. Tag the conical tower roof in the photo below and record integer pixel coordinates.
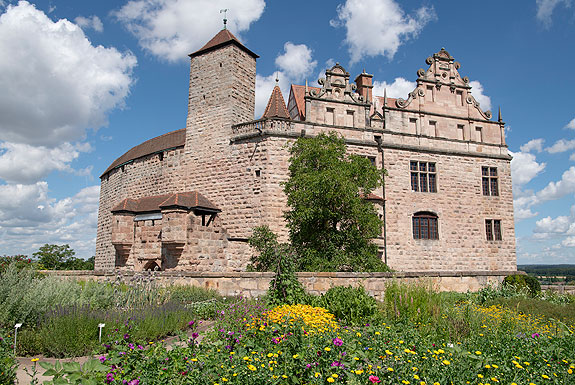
(276, 107)
(222, 38)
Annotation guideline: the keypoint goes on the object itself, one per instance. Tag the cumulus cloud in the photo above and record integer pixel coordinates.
(559, 189)
(294, 64)
(524, 167)
(558, 225)
(92, 22)
(571, 125)
(545, 9)
(378, 27)
(172, 29)
(477, 92)
(400, 88)
(23, 163)
(55, 83)
(296, 61)
(561, 145)
(533, 145)
(29, 218)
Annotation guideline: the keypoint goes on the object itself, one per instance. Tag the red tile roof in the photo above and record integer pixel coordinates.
(158, 144)
(186, 200)
(298, 93)
(222, 38)
(276, 107)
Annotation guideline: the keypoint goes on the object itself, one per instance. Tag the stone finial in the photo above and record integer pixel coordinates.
(499, 116)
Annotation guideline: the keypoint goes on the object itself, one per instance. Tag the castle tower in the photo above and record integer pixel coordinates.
(222, 92)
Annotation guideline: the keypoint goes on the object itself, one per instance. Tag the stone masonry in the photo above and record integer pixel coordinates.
(448, 200)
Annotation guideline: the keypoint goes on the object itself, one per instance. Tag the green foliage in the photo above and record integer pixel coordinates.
(53, 257)
(269, 250)
(21, 262)
(285, 289)
(8, 363)
(520, 282)
(330, 223)
(74, 373)
(416, 302)
(350, 305)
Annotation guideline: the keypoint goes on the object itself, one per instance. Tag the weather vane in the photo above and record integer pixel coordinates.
(225, 20)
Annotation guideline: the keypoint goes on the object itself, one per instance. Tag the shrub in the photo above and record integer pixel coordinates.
(350, 305)
(523, 281)
(415, 302)
(8, 363)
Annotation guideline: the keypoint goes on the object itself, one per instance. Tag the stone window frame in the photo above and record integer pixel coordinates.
(423, 176)
(425, 226)
(489, 181)
(493, 230)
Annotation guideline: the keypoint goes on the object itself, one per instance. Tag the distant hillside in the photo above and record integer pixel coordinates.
(548, 270)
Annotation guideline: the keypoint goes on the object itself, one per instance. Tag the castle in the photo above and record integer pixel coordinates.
(189, 199)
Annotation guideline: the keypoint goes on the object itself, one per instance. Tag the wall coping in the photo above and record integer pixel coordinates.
(248, 274)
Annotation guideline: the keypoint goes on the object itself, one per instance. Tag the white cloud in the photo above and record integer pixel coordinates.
(23, 163)
(477, 92)
(55, 83)
(545, 9)
(296, 61)
(524, 167)
(172, 29)
(557, 190)
(572, 157)
(92, 22)
(400, 88)
(29, 218)
(561, 145)
(533, 145)
(558, 225)
(378, 27)
(295, 64)
(571, 124)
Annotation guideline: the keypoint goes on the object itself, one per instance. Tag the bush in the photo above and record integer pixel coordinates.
(8, 363)
(416, 302)
(523, 282)
(350, 305)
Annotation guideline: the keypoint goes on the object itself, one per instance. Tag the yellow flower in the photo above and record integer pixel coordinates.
(327, 349)
(446, 362)
(480, 375)
(251, 367)
(34, 359)
(545, 376)
(317, 374)
(334, 375)
(284, 376)
(224, 379)
(330, 379)
(477, 352)
(295, 356)
(390, 369)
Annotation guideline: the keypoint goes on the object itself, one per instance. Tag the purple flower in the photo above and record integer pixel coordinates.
(134, 382)
(109, 378)
(191, 323)
(337, 341)
(336, 363)
(535, 335)
(126, 336)
(131, 346)
(140, 347)
(195, 335)
(102, 359)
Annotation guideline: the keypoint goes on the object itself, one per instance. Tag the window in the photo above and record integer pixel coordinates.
(429, 94)
(490, 185)
(493, 229)
(413, 125)
(425, 226)
(460, 132)
(459, 95)
(423, 176)
(479, 134)
(350, 122)
(329, 116)
(433, 128)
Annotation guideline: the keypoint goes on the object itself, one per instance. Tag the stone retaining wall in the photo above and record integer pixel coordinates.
(254, 284)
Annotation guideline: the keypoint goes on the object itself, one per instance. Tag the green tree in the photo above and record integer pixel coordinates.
(330, 223)
(54, 257)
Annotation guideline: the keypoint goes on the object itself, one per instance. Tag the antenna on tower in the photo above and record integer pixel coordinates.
(225, 10)
(277, 78)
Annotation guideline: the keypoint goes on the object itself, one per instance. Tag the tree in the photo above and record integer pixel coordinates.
(54, 257)
(330, 223)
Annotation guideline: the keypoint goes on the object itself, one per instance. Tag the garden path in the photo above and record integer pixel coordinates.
(25, 364)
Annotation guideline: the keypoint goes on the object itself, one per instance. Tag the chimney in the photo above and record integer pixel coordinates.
(364, 86)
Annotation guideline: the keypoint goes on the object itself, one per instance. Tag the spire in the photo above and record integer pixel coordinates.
(276, 107)
(499, 117)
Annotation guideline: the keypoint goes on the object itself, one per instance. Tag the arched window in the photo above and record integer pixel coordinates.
(425, 225)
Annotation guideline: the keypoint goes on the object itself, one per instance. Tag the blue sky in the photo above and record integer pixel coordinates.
(84, 81)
